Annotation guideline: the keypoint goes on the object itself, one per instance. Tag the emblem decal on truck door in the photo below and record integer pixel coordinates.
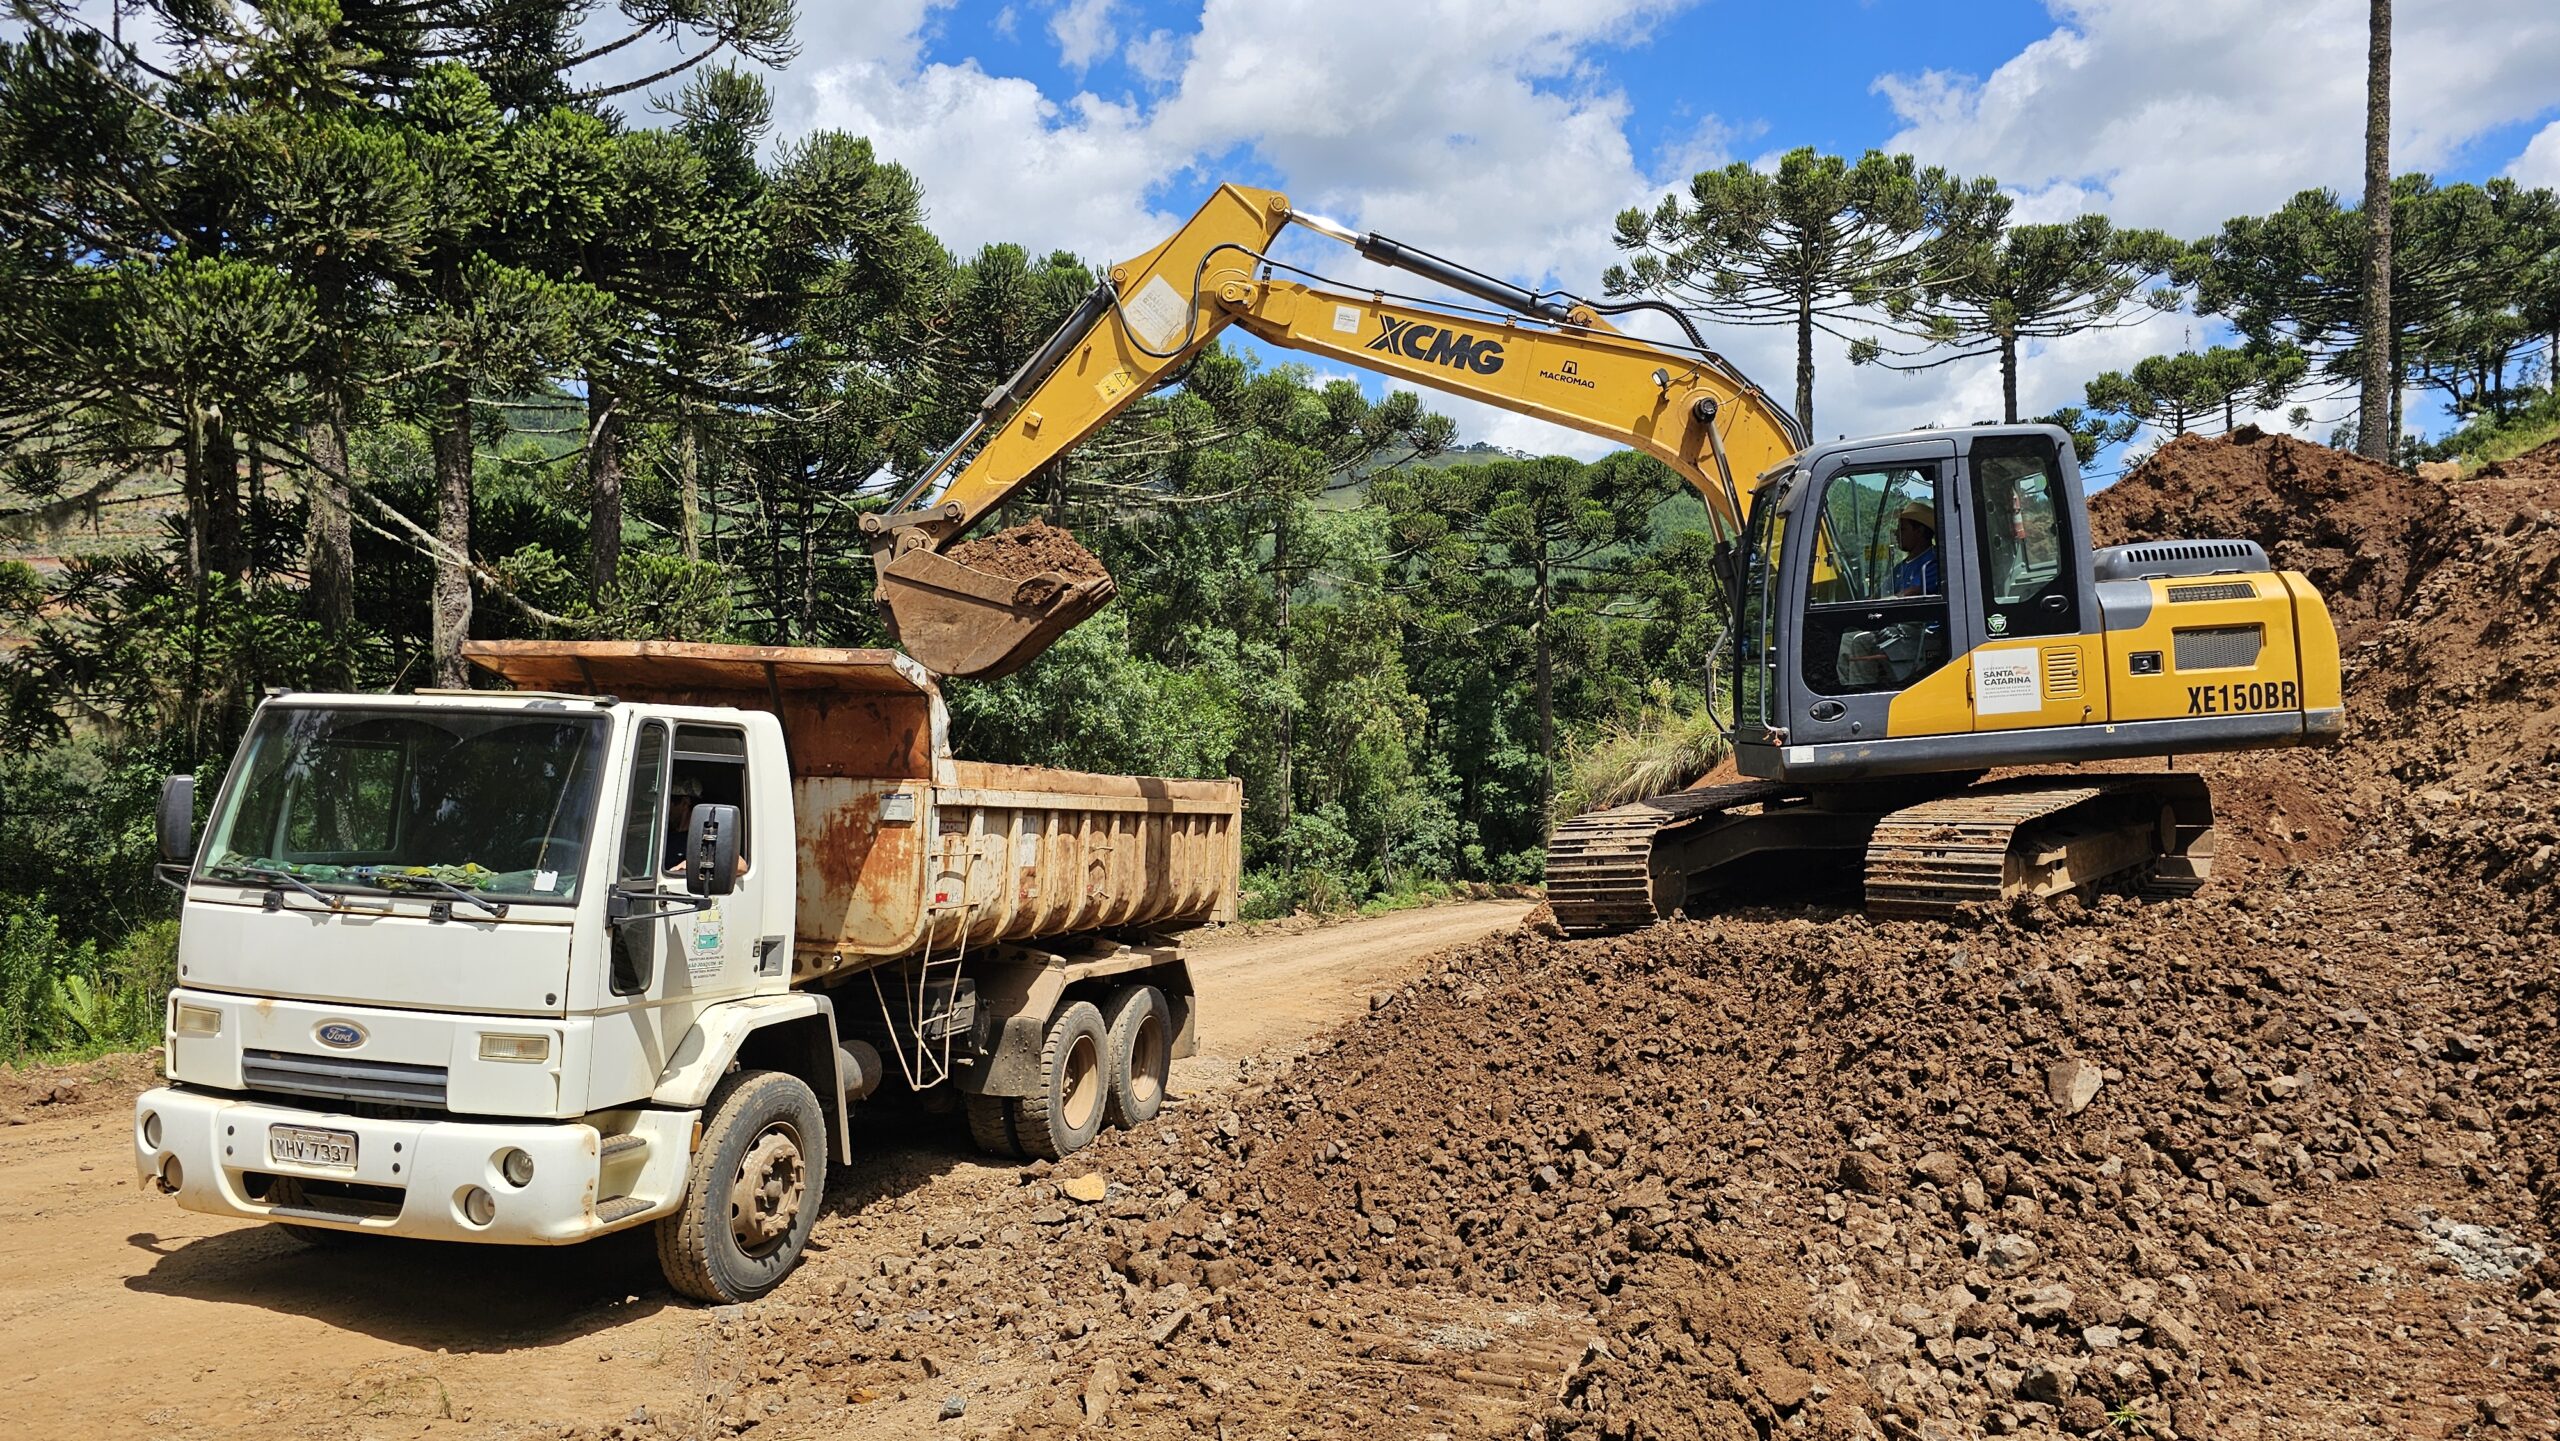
(708, 952)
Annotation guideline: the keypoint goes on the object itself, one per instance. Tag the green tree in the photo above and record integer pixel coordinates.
(2378, 391)
(2297, 275)
(1815, 246)
(2174, 392)
(1993, 293)
(1532, 551)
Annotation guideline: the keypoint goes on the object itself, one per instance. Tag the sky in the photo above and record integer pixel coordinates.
(1508, 133)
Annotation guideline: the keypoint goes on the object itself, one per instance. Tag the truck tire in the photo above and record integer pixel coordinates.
(1073, 1101)
(991, 1124)
(752, 1194)
(1141, 1055)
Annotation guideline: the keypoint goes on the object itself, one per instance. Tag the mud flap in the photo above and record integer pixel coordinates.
(961, 622)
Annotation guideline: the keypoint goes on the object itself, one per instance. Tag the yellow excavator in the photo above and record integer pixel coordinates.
(1908, 614)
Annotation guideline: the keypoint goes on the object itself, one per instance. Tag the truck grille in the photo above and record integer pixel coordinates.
(343, 1078)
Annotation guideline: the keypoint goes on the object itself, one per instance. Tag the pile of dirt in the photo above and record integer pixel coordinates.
(1043, 557)
(2463, 688)
(2242, 1158)
(2361, 530)
(80, 1088)
(2446, 595)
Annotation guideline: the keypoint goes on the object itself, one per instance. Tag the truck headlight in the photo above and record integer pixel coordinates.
(501, 1046)
(517, 1166)
(197, 1021)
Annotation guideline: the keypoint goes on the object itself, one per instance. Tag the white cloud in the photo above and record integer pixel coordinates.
(2540, 162)
(2183, 113)
(882, 32)
(1158, 56)
(1084, 32)
(1504, 151)
(999, 160)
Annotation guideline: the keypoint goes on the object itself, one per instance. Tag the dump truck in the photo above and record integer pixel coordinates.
(624, 945)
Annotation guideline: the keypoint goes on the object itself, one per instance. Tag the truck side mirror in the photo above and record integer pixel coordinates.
(177, 820)
(711, 850)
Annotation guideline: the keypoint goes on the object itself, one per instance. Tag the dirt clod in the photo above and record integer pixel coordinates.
(1044, 558)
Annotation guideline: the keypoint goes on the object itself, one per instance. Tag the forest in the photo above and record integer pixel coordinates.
(360, 328)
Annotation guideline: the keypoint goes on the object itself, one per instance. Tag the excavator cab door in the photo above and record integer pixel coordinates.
(2034, 654)
(1855, 600)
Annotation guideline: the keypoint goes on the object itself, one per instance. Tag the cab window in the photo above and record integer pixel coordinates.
(643, 806)
(1876, 598)
(2028, 587)
(710, 770)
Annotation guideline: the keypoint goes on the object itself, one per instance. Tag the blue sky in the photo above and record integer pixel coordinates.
(1508, 133)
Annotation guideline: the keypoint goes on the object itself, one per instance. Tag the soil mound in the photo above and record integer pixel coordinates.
(1032, 554)
(2361, 530)
(2188, 1169)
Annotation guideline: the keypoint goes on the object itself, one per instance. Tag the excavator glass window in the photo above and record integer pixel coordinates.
(1755, 632)
(1876, 613)
(2027, 583)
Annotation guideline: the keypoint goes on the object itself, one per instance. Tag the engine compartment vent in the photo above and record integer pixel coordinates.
(2181, 557)
(2212, 590)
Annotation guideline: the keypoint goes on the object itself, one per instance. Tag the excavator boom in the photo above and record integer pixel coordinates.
(1551, 356)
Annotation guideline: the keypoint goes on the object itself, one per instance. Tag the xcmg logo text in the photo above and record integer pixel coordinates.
(1438, 346)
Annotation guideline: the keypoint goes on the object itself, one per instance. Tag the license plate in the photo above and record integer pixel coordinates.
(308, 1146)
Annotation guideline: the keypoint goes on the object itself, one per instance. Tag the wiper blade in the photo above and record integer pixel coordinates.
(287, 878)
(395, 879)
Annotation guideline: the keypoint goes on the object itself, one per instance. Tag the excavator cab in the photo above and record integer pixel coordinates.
(1930, 603)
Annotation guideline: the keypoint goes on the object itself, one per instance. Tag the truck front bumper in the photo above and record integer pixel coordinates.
(431, 1179)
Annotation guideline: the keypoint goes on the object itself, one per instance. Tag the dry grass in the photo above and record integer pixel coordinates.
(1664, 750)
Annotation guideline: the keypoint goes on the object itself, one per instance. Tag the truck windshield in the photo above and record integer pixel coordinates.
(402, 800)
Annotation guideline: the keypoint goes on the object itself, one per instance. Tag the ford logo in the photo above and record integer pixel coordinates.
(340, 1035)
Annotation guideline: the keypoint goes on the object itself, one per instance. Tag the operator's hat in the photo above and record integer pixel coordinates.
(1921, 511)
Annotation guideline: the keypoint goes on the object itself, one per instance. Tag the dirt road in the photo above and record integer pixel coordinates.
(120, 1314)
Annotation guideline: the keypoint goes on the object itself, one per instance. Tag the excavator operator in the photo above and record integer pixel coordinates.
(1898, 653)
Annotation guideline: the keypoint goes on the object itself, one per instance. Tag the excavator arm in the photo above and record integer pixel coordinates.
(1555, 357)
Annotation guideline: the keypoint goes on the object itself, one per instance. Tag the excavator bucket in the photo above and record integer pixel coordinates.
(981, 624)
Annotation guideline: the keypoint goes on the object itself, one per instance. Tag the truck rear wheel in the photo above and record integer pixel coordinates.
(753, 1192)
(1141, 1056)
(991, 1124)
(1068, 1110)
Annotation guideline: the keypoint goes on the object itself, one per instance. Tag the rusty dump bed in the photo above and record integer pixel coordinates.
(902, 846)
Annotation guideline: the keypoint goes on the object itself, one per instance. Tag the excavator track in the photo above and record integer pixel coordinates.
(2039, 836)
(1604, 870)
(1634, 864)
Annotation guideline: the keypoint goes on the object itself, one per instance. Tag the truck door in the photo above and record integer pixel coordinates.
(713, 951)
(2034, 663)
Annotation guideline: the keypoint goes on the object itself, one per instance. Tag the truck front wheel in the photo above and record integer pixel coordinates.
(1068, 1110)
(753, 1192)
